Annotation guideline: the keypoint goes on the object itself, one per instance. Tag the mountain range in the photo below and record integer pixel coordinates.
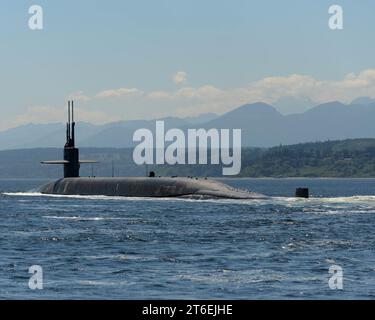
(262, 126)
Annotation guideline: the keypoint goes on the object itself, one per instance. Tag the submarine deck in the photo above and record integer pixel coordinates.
(147, 187)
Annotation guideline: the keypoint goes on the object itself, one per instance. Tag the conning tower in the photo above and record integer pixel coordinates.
(71, 161)
(71, 153)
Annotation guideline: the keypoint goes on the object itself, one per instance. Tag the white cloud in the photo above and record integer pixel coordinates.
(47, 114)
(190, 101)
(160, 95)
(115, 93)
(79, 96)
(41, 114)
(270, 90)
(180, 77)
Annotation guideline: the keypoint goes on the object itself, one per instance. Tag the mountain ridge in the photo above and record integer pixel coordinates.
(262, 126)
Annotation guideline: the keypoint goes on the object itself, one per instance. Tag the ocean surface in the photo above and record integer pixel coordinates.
(128, 248)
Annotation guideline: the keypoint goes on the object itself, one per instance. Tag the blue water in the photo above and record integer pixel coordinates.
(113, 248)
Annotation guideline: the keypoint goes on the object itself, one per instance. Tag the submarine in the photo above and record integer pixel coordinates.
(151, 186)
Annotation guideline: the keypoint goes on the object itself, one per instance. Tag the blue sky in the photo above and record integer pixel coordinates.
(118, 57)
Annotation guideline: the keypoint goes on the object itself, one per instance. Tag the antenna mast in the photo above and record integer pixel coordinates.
(73, 125)
(68, 125)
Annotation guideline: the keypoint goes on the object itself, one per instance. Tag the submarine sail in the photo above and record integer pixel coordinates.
(71, 160)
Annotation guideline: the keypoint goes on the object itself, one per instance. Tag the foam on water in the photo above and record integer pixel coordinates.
(270, 200)
(78, 218)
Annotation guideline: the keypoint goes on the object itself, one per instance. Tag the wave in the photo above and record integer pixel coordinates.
(79, 218)
(286, 201)
(84, 197)
(239, 277)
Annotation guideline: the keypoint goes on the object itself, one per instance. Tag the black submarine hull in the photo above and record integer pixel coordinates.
(161, 187)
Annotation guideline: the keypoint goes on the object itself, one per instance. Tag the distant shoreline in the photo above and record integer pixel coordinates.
(347, 159)
(215, 178)
(292, 178)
